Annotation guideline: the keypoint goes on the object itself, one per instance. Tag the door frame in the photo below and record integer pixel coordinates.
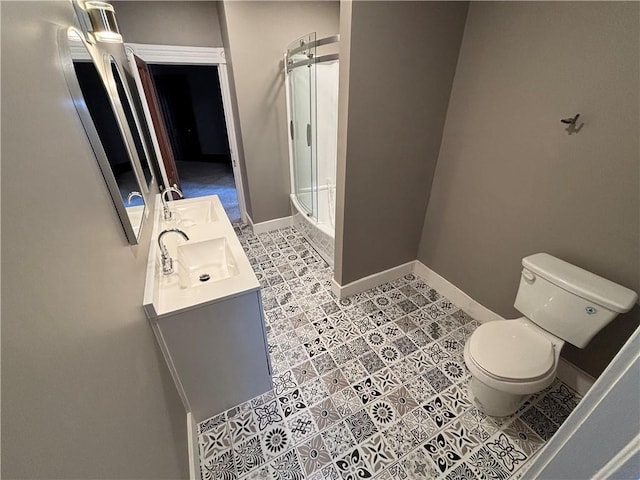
(581, 436)
(185, 55)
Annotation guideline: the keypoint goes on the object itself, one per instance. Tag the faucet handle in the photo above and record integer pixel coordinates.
(167, 264)
(167, 214)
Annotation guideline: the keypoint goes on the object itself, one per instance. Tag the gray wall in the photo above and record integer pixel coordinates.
(511, 181)
(234, 100)
(258, 34)
(186, 23)
(401, 65)
(85, 391)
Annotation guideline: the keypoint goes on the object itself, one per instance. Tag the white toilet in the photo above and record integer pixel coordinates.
(511, 359)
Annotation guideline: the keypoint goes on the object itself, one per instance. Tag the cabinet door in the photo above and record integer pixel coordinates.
(218, 353)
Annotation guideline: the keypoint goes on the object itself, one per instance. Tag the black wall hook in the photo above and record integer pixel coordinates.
(571, 120)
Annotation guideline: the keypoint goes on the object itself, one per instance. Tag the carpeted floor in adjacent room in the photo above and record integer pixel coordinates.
(199, 179)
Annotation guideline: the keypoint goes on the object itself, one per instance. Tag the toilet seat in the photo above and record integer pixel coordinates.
(511, 351)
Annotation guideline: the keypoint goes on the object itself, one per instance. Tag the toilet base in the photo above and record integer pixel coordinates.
(495, 403)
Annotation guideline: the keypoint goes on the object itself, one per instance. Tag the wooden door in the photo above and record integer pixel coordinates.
(158, 122)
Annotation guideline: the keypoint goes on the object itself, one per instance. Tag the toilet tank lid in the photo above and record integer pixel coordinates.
(581, 282)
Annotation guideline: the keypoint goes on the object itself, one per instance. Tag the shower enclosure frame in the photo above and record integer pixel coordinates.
(314, 222)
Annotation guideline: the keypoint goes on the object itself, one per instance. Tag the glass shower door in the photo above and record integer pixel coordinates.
(302, 110)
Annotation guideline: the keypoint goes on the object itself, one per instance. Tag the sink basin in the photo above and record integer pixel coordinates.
(195, 212)
(205, 262)
(210, 267)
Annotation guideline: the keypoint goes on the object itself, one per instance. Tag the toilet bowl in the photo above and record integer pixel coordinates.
(509, 360)
(512, 359)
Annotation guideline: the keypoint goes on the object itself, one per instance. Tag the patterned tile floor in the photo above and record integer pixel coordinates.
(373, 386)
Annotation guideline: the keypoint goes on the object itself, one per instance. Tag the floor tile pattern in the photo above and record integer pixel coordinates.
(372, 386)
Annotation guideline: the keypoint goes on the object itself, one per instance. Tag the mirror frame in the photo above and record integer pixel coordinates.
(65, 52)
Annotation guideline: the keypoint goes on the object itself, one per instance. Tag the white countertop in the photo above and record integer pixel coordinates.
(163, 295)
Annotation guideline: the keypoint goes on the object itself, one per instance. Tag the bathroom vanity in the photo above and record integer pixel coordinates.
(207, 315)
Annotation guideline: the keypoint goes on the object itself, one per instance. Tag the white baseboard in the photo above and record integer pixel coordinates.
(372, 281)
(270, 225)
(574, 377)
(453, 293)
(194, 455)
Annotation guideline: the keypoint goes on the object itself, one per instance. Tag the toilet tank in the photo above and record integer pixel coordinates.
(567, 301)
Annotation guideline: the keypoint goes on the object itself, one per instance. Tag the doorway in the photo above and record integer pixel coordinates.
(192, 109)
(189, 105)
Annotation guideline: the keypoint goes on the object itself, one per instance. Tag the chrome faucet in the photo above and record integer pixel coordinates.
(167, 261)
(168, 214)
(133, 194)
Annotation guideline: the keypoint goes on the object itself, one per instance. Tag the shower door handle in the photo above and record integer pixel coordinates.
(291, 128)
(308, 134)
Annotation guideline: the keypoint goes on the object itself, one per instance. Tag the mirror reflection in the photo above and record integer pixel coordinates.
(127, 106)
(107, 131)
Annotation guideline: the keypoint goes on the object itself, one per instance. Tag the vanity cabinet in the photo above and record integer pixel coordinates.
(211, 330)
(217, 353)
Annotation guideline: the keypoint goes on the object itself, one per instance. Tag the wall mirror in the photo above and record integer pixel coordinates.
(94, 90)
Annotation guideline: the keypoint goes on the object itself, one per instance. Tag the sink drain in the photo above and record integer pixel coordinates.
(204, 277)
